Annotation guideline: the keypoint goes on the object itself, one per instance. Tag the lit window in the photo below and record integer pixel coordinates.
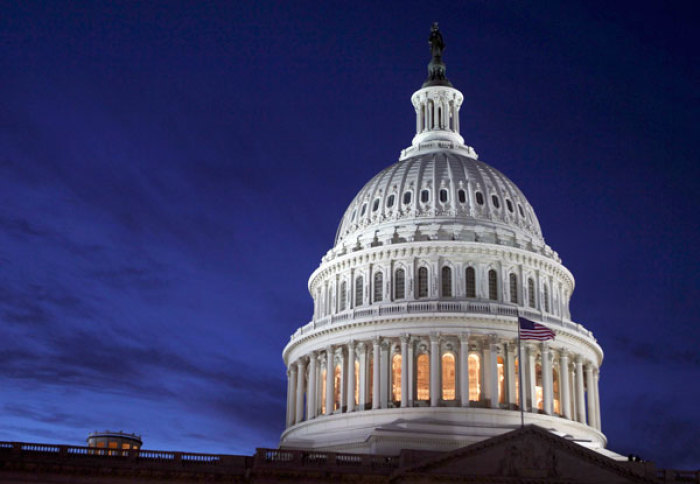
(390, 201)
(443, 195)
(446, 282)
(423, 377)
(358, 291)
(514, 288)
(474, 378)
(448, 376)
(323, 391)
(424, 196)
(356, 392)
(422, 282)
(493, 285)
(516, 377)
(479, 198)
(509, 204)
(462, 195)
(396, 378)
(501, 380)
(471, 282)
(399, 284)
(539, 394)
(555, 390)
(375, 205)
(336, 387)
(406, 198)
(378, 290)
(495, 201)
(531, 292)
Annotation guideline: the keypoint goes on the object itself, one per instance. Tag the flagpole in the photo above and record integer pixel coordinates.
(520, 377)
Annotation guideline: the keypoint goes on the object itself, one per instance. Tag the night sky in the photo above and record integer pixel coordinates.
(171, 174)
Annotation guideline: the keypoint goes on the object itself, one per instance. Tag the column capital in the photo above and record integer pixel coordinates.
(492, 339)
(464, 337)
(405, 338)
(361, 348)
(564, 353)
(351, 344)
(578, 359)
(376, 341)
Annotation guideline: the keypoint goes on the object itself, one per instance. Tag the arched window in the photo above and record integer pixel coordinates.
(358, 291)
(448, 376)
(356, 390)
(513, 288)
(399, 284)
(493, 285)
(370, 379)
(425, 196)
(501, 380)
(423, 377)
(495, 201)
(545, 295)
(323, 391)
(390, 201)
(539, 396)
(555, 390)
(375, 205)
(337, 382)
(446, 282)
(406, 198)
(520, 209)
(343, 295)
(364, 209)
(396, 378)
(509, 204)
(378, 286)
(479, 198)
(474, 378)
(531, 292)
(422, 282)
(462, 196)
(443, 195)
(516, 377)
(471, 282)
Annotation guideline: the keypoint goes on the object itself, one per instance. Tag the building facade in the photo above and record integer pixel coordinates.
(414, 336)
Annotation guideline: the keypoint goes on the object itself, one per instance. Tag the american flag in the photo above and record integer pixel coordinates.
(531, 330)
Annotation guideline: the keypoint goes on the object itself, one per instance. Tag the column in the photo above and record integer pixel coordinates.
(343, 379)
(547, 379)
(532, 378)
(411, 378)
(310, 387)
(596, 375)
(564, 390)
(404, 370)
(591, 395)
(434, 369)
(299, 407)
(375, 373)
(384, 371)
(509, 370)
(493, 372)
(362, 383)
(580, 407)
(291, 394)
(464, 369)
(329, 380)
(350, 402)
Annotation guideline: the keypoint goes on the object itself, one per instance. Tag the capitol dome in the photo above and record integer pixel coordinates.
(414, 340)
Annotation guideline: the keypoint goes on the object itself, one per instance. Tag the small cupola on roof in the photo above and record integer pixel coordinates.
(437, 106)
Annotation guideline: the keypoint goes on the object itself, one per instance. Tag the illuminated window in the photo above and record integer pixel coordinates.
(448, 376)
(474, 378)
(479, 198)
(423, 377)
(471, 282)
(358, 291)
(337, 375)
(323, 391)
(513, 288)
(126, 446)
(493, 285)
(516, 376)
(555, 390)
(399, 284)
(100, 444)
(370, 378)
(422, 282)
(378, 289)
(494, 200)
(446, 282)
(396, 378)
(390, 201)
(501, 380)
(425, 196)
(531, 292)
(356, 390)
(406, 198)
(443, 195)
(343, 295)
(538, 387)
(462, 196)
(545, 295)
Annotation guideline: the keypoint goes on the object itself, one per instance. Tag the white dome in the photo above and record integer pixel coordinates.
(447, 196)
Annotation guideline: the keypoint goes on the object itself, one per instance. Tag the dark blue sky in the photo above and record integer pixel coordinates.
(171, 173)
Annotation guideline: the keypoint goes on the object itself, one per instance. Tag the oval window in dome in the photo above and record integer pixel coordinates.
(509, 204)
(354, 214)
(407, 198)
(364, 209)
(424, 196)
(496, 202)
(462, 196)
(390, 201)
(479, 198)
(520, 209)
(443, 195)
(375, 205)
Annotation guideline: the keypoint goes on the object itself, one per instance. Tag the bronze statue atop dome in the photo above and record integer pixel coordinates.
(436, 68)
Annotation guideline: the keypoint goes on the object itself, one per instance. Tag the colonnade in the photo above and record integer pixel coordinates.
(438, 370)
